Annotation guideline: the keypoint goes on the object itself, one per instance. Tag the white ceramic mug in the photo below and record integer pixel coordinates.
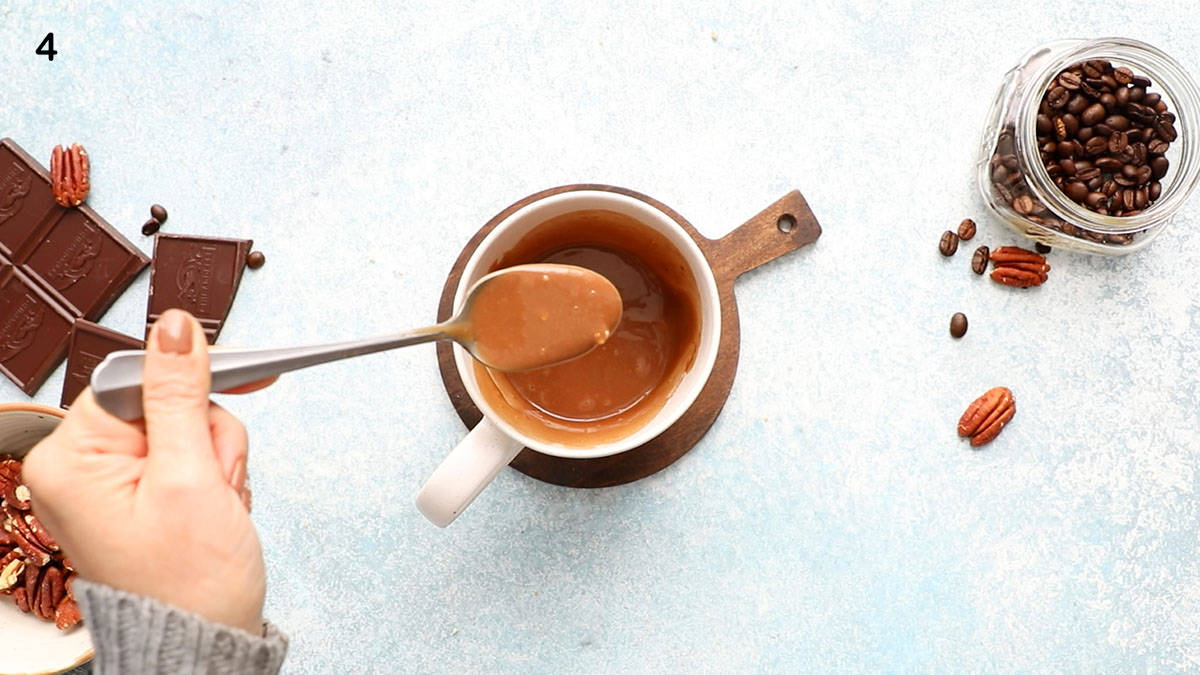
(493, 443)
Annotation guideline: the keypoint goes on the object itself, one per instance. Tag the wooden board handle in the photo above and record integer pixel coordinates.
(781, 228)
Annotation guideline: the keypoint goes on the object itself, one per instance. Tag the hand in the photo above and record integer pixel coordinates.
(157, 507)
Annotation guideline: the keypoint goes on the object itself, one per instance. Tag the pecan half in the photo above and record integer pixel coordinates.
(1015, 266)
(69, 177)
(987, 415)
(67, 613)
(10, 572)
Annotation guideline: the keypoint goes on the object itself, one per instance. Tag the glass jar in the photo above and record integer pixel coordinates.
(1011, 165)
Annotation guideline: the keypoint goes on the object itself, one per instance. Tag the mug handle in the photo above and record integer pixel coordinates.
(469, 468)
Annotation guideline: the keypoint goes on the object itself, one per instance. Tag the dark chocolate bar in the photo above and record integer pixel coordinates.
(78, 264)
(90, 343)
(198, 274)
(33, 329)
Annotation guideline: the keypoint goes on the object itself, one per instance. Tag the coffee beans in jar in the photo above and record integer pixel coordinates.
(1081, 148)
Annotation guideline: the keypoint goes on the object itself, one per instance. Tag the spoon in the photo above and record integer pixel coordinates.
(518, 318)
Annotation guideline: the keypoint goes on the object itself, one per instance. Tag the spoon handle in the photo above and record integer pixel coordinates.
(117, 381)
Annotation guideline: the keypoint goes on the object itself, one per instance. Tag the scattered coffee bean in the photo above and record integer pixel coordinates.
(979, 260)
(158, 213)
(966, 229)
(958, 325)
(255, 260)
(150, 227)
(1041, 248)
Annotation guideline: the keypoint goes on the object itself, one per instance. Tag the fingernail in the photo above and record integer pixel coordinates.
(174, 333)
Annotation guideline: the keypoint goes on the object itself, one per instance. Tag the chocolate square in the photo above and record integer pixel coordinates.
(197, 274)
(90, 343)
(26, 200)
(33, 330)
(84, 262)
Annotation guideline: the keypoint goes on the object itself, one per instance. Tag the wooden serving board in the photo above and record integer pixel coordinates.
(781, 228)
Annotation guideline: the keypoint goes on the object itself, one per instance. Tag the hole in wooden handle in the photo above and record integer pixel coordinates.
(786, 223)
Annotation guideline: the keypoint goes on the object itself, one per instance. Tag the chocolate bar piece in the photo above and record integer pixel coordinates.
(198, 274)
(90, 343)
(33, 330)
(70, 259)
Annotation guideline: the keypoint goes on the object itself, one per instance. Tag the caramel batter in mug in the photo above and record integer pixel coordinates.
(617, 397)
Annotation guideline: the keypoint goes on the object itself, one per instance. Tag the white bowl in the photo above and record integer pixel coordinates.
(33, 646)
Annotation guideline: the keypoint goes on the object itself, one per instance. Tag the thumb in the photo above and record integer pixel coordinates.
(175, 388)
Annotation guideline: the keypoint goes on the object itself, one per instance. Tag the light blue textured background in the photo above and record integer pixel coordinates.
(831, 519)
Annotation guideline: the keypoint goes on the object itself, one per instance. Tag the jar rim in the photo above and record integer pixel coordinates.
(1175, 84)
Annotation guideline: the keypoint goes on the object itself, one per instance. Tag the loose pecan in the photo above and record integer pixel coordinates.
(1015, 266)
(987, 415)
(69, 171)
(67, 613)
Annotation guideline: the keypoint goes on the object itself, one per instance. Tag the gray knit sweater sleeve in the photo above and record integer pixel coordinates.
(136, 635)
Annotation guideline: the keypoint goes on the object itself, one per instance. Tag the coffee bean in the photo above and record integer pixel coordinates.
(1151, 99)
(1136, 94)
(1060, 129)
(1102, 129)
(1057, 98)
(150, 227)
(1141, 197)
(255, 260)
(979, 260)
(1043, 125)
(1140, 81)
(1077, 104)
(1122, 96)
(1109, 101)
(1117, 122)
(966, 229)
(1076, 190)
(1117, 141)
(1095, 200)
(1167, 117)
(1093, 114)
(158, 213)
(1129, 171)
(1123, 181)
(1108, 164)
(1123, 75)
(1108, 82)
(1023, 205)
(1095, 145)
(1067, 149)
(1140, 152)
(1158, 167)
(1128, 198)
(1041, 248)
(1071, 123)
(1154, 190)
(958, 325)
(1110, 187)
(948, 244)
(1094, 183)
(1068, 167)
(1091, 90)
(1166, 131)
(1070, 80)
(1086, 174)
(1160, 107)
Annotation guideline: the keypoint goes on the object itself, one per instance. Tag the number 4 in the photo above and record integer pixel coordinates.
(46, 48)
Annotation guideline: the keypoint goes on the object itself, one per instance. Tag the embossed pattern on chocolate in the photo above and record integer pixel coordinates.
(197, 274)
(90, 343)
